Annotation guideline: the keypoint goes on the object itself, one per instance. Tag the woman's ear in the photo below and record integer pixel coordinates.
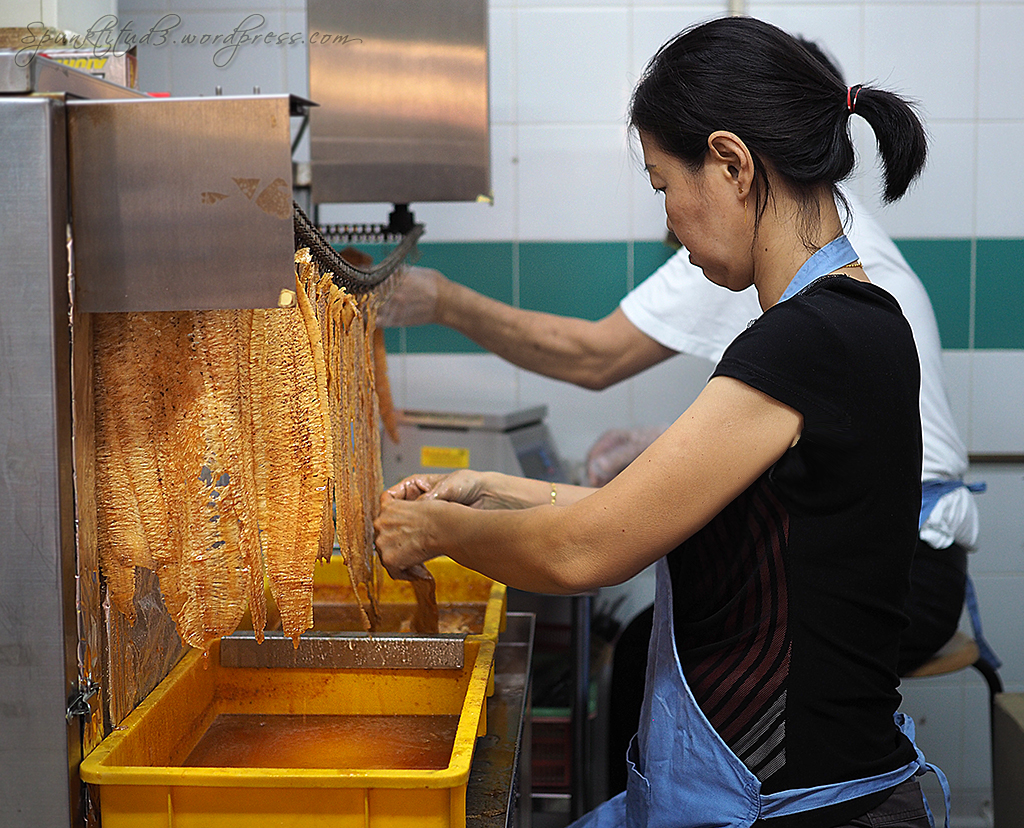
(733, 160)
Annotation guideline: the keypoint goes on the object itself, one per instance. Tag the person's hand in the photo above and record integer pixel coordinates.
(470, 488)
(616, 449)
(413, 300)
(403, 531)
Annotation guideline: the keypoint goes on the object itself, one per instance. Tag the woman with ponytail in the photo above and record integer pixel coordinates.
(782, 506)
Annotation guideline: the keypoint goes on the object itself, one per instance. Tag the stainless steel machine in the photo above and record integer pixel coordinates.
(514, 442)
(113, 202)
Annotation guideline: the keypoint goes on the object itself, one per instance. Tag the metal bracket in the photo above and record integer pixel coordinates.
(78, 703)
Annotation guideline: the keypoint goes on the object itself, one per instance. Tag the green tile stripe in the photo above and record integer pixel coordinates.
(999, 297)
(944, 267)
(587, 279)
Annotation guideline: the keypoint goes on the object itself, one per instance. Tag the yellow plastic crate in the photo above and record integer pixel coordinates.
(139, 775)
(467, 601)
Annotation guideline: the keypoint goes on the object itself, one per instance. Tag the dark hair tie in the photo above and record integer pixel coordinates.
(851, 97)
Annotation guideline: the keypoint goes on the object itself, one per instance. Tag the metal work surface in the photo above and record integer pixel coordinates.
(38, 636)
(498, 795)
(402, 93)
(341, 650)
(181, 203)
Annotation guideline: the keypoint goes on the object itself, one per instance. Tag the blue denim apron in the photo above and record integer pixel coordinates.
(681, 773)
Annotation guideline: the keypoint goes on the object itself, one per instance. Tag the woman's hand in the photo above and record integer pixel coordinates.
(480, 490)
(404, 532)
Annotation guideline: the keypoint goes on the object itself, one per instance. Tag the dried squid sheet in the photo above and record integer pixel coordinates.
(172, 462)
(234, 446)
(291, 429)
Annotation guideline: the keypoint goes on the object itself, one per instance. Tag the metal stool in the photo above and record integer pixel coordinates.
(960, 652)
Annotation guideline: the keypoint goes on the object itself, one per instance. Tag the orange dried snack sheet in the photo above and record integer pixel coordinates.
(308, 280)
(383, 385)
(374, 471)
(252, 552)
(353, 544)
(316, 347)
(213, 567)
(279, 451)
(121, 539)
(365, 426)
(297, 456)
(171, 392)
(334, 393)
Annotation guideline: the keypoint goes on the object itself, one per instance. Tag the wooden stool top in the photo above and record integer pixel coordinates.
(959, 652)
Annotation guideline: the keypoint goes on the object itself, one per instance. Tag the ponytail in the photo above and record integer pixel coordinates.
(902, 143)
(790, 108)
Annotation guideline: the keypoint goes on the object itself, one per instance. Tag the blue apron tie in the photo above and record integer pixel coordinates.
(932, 491)
(831, 257)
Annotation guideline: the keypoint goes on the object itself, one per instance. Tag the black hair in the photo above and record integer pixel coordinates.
(784, 98)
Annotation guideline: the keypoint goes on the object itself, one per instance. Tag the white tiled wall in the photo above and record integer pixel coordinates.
(562, 170)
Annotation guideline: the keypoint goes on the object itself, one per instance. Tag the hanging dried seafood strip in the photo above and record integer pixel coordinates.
(383, 383)
(121, 540)
(292, 459)
(234, 445)
(221, 556)
(351, 497)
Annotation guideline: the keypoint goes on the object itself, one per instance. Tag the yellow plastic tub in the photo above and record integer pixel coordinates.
(467, 602)
(140, 777)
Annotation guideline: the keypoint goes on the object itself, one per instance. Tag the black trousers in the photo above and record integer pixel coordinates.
(937, 581)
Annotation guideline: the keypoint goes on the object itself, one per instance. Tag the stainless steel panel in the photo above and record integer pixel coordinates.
(39, 749)
(181, 203)
(402, 93)
(344, 650)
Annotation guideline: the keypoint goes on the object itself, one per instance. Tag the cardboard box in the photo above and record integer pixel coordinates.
(1008, 760)
(117, 67)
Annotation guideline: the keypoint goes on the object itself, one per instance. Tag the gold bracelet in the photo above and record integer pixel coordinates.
(554, 494)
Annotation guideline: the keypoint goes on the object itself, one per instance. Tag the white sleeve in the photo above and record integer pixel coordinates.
(680, 308)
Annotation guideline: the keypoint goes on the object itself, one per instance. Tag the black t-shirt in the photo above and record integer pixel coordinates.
(788, 605)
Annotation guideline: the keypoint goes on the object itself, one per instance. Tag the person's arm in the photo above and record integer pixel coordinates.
(590, 354)
(713, 452)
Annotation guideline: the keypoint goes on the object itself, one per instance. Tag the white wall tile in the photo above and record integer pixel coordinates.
(936, 706)
(996, 403)
(474, 221)
(1001, 64)
(927, 53)
(572, 65)
(940, 203)
(1002, 614)
(977, 734)
(652, 26)
(999, 208)
(1001, 516)
(296, 56)
(501, 60)
(957, 365)
(836, 27)
(456, 382)
(198, 69)
(573, 183)
(664, 392)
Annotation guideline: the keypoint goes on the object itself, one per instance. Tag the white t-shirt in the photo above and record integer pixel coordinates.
(680, 308)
